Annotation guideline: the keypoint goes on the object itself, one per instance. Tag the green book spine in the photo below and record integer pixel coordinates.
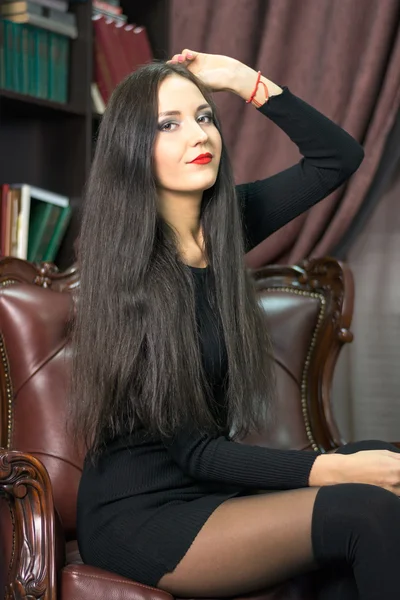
(40, 219)
(36, 70)
(24, 60)
(64, 60)
(45, 67)
(58, 234)
(9, 54)
(32, 62)
(43, 62)
(52, 65)
(40, 213)
(59, 67)
(2, 56)
(48, 232)
(17, 63)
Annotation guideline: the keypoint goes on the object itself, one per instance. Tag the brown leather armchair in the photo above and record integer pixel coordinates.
(309, 309)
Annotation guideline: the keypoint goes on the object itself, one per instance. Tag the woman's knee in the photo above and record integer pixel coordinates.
(345, 513)
(358, 500)
(353, 447)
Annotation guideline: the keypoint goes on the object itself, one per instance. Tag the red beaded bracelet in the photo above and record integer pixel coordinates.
(255, 91)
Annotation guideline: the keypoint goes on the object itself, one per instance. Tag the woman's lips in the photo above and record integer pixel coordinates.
(202, 161)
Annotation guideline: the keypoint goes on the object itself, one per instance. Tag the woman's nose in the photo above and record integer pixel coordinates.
(196, 133)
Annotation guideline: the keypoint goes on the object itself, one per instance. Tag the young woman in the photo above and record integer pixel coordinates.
(172, 359)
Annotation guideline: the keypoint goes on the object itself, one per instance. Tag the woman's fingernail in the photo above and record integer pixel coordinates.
(180, 58)
(189, 55)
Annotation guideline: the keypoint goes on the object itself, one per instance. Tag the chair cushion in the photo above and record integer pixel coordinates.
(82, 582)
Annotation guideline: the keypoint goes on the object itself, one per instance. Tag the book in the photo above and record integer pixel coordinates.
(8, 28)
(43, 221)
(136, 46)
(107, 7)
(21, 7)
(110, 15)
(35, 61)
(61, 5)
(46, 23)
(31, 223)
(142, 44)
(101, 69)
(45, 210)
(111, 65)
(5, 219)
(97, 100)
(42, 50)
(24, 209)
(28, 7)
(58, 234)
(15, 196)
(2, 56)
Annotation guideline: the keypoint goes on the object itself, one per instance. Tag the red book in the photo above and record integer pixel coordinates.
(123, 62)
(126, 34)
(136, 46)
(110, 63)
(143, 44)
(101, 73)
(4, 218)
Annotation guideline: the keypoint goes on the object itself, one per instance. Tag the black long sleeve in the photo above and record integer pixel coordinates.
(221, 460)
(330, 157)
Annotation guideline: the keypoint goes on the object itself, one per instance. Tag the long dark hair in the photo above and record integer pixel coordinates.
(136, 354)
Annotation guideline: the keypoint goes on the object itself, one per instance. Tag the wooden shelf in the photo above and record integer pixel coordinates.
(33, 103)
(13, 102)
(50, 144)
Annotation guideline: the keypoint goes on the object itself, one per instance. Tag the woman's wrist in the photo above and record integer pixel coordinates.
(243, 82)
(328, 469)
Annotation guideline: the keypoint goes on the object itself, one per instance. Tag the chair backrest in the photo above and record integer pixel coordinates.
(309, 310)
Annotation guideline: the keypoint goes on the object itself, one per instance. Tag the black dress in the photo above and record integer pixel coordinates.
(142, 506)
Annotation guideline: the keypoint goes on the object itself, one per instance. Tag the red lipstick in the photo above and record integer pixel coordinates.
(202, 159)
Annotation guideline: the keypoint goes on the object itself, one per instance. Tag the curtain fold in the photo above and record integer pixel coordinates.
(367, 380)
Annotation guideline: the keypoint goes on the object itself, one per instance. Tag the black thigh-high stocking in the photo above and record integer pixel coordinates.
(338, 581)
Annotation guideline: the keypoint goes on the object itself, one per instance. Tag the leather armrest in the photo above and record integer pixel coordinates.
(26, 483)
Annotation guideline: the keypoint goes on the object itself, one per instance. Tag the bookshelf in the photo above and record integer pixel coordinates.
(49, 144)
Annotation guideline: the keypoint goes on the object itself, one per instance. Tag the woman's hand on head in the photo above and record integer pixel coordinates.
(218, 72)
(374, 467)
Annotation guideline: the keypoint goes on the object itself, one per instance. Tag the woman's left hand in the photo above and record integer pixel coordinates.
(215, 70)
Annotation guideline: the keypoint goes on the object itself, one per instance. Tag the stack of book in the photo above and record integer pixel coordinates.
(32, 222)
(34, 47)
(119, 49)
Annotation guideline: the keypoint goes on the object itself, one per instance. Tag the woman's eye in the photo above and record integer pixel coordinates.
(206, 118)
(167, 126)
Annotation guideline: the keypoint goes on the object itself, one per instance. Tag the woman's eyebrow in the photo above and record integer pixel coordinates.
(170, 113)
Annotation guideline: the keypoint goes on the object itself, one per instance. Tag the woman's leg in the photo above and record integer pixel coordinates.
(247, 544)
(339, 582)
(254, 542)
(353, 447)
(360, 524)
(335, 583)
